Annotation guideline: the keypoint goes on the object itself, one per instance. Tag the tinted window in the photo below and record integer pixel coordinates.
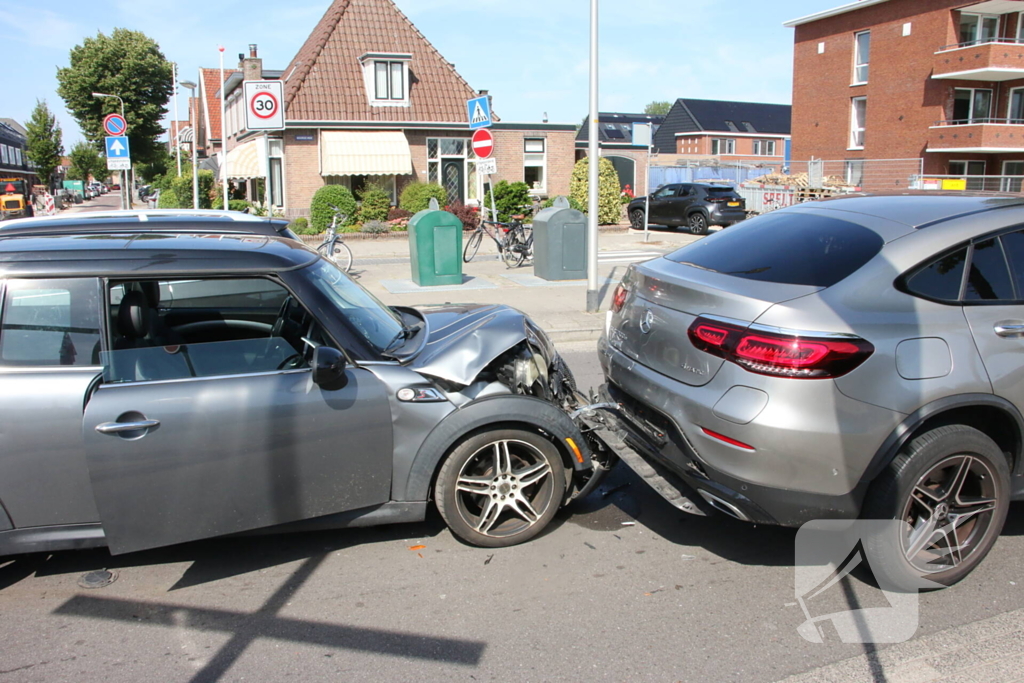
(940, 279)
(719, 191)
(51, 322)
(788, 248)
(667, 191)
(1013, 244)
(989, 279)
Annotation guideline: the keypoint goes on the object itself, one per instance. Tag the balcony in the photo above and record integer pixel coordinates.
(999, 59)
(977, 135)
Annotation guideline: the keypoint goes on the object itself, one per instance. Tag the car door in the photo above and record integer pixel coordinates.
(676, 205)
(214, 426)
(661, 201)
(992, 305)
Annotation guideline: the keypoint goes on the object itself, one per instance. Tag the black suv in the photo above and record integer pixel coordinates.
(694, 205)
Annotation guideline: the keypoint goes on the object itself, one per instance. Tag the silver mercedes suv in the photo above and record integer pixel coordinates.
(857, 357)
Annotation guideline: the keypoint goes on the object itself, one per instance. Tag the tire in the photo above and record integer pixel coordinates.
(342, 255)
(480, 490)
(636, 219)
(697, 223)
(472, 246)
(514, 252)
(948, 473)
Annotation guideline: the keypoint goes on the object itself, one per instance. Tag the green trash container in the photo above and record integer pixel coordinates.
(435, 246)
(560, 244)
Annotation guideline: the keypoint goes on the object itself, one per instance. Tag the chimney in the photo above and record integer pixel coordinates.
(252, 66)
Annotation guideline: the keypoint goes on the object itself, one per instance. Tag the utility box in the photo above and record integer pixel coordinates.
(435, 247)
(560, 244)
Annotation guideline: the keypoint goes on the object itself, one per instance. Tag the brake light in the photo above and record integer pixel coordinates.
(777, 354)
(619, 298)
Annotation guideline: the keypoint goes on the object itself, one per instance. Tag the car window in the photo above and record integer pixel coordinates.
(371, 319)
(50, 322)
(667, 191)
(787, 248)
(989, 277)
(180, 329)
(1013, 245)
(941, 279)
(719, 191)
(685, 191)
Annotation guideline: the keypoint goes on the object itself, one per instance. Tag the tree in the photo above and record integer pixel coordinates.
(127, 64)
(85, 162)
(609, 205)
(657, 108)
(45, 145)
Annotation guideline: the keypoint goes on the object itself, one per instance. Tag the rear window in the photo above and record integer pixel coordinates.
(713, 191)
(787, 248)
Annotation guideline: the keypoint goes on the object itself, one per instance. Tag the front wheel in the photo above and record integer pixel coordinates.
(636, 219)
(697, 224)
(341, 255)
(951, 488)
(500, 488)
(472, 246)
(514, 251)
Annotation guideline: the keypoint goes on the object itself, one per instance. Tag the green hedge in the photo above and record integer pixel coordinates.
(168, 200)
(510, 199)
(416, 196)
(609, 208)
(321, 213)
(376, 203)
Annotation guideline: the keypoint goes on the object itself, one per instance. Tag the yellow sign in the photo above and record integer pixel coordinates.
(954, 183)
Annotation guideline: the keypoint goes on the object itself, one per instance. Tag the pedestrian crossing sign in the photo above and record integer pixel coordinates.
(479, 111)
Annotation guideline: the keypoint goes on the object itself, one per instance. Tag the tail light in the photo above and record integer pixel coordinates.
(780, 355)
(619, 298)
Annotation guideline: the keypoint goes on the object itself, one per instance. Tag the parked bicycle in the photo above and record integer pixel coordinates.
(334, 246)
(514, 241)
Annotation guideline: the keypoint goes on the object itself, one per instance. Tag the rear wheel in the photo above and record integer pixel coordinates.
(697, 224)
(500, 488)
(950, 486)
(341, 255)
(472, 246)
(514, 252)
(636, 219)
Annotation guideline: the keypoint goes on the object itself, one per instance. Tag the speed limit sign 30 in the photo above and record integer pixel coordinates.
(264, 105)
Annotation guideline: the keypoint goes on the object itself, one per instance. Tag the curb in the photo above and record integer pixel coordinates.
(579, 334)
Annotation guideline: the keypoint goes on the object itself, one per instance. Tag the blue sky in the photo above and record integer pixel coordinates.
(531, 54)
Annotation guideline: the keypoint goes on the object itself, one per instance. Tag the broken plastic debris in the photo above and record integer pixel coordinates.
(688, 557)
(629, 524)
(417, 547)
(488, 560)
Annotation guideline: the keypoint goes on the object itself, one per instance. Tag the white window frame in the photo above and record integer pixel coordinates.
(1010, 118)
(848, 171)
(473, 182)
(395, 64)
(17, 152)
(861, 62)
(857, 132)
(967, 166)
(541, 163)
(981, 19)
(718, 143)
(970, 112)
(764, 148)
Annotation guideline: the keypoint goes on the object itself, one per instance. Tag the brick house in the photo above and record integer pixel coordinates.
(724, 131)
(939, 80)
(615, 142)
(369, 99)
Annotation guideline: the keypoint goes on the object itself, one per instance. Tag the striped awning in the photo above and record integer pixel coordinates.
(248, 160)
(364, 153)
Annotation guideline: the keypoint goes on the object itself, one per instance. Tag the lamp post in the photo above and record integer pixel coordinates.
(125, 192)
(593, 166)
(195, 139)
(177, 141)
(223, 133)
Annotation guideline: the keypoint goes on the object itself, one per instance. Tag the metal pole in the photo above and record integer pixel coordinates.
(177, 130)
(593, 163)
(266, 181)
(195, 169)
(647, 185)
(223, 134)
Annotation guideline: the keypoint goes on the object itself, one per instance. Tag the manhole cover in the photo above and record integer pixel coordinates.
(97, 579)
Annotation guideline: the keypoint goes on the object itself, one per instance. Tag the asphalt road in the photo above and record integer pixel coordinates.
(620, 587)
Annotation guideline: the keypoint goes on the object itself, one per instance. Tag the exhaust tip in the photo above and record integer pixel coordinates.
(723, 506)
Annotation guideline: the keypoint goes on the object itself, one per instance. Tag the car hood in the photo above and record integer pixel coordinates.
(462, 340)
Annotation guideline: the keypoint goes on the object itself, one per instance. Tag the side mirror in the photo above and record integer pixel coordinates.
(329, 368)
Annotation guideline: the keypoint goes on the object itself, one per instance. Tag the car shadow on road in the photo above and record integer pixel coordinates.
(215, 559)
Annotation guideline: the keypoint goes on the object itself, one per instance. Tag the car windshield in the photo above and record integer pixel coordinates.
(377, 323)
(720, 191)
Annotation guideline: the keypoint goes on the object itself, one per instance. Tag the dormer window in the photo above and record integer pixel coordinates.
(387, 78)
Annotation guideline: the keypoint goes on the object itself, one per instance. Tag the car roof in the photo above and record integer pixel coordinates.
(149, 254)
(921, 208)
(155, 220)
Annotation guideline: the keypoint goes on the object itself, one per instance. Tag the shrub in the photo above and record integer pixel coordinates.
(609, 208)
(301, 226)
(573, 204)
(375, 205)
(182, 187)
(416, 196)
(327, 196)
(168, 200)
(467, 214)
(509, 199)
(375, 227)
(396, 214)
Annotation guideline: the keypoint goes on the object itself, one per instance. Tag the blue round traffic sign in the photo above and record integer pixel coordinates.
(115, 124)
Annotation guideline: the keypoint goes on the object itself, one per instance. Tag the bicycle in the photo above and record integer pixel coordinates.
(333, 246)
(514, 245)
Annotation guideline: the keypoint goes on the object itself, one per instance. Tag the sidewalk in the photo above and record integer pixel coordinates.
(383, 267)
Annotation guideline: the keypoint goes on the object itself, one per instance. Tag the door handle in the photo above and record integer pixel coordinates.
(1009, 329)
(118, 427)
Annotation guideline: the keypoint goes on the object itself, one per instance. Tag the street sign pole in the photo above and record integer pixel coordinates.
(478, 111)
(264, 110)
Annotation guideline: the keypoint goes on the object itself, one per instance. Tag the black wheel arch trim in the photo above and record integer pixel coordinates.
(899, 437)
(494, 410)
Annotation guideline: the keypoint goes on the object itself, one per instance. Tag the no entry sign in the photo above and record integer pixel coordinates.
(264, 102)
(483, 143)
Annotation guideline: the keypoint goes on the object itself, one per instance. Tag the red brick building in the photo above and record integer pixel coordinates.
(368, 99)
(939, 80)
